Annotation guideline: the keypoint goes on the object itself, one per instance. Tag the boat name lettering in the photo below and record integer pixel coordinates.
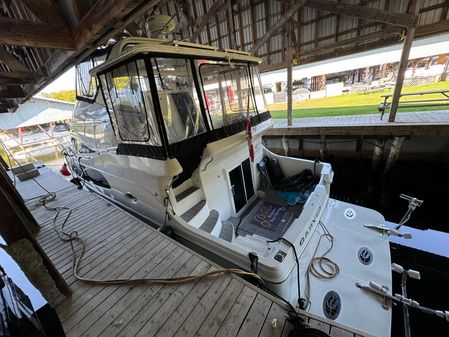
(308, 230)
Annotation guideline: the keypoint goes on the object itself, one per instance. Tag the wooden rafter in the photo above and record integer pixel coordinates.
(17, 77)
(106, 18)
(230, 23)
(201, 22)
(11, 60)
(34, 34)
(349, 44)
(296, 6)
(44, 10)
(367, 13)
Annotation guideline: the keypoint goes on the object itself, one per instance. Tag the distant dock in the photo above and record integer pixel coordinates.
(419, 123)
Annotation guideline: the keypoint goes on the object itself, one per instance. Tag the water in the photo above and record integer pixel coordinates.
(428, 250)
(51, 156)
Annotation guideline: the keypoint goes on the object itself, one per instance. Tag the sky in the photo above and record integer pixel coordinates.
(64, 82)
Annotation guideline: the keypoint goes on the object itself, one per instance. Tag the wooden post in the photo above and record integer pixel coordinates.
(378, 154)
(289, 76)
(301, 147)
(323, 147)
(231, 26)
(16, 227)
(394, 152)
(416, 4)
(286, 146)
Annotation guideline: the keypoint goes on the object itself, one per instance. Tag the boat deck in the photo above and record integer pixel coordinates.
(118, 245)
(419, 123)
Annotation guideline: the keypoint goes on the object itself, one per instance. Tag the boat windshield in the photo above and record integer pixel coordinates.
(128, 98)
(227, 92)
(86, 85)
(186, 97)
(178, 98)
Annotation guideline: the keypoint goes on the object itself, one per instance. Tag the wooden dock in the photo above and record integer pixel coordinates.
(425, 123)
(119, 245)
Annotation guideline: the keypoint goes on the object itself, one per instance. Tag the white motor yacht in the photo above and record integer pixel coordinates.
(173, 131)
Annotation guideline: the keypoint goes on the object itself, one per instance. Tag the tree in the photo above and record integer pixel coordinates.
(63, 95)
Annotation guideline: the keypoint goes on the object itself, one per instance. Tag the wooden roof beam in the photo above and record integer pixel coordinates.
(202, 21)
(106, 18)
(296, 6)
(17, 77)
(366, 13)
(44, 10)
(35, 34)
(349, 45)
(11, 60)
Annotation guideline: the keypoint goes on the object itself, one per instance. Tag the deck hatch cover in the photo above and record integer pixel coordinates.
(331, 305)
(365, 256)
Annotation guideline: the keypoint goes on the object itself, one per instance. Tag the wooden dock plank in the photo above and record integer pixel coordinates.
(276, 313)
(197, 324)
(231, 324)
(146, 303)
(338, 332)
(255, 318)
(122, 297)
(94, 295)
(200, 299)
(147, 309)
(325, 327)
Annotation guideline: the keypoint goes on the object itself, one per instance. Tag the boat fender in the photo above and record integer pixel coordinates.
(253, 258)
(167, 230)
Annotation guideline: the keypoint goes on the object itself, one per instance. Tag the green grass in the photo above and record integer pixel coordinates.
(351, 104)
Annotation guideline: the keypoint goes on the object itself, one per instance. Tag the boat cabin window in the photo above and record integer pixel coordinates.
(178, 98)
(261, 103)
(228, 92)
(128, 96)
(86, 85)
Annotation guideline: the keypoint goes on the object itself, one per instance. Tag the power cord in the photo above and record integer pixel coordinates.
(321, 267)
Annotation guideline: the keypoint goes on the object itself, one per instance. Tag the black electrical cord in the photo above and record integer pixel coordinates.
(300, 300)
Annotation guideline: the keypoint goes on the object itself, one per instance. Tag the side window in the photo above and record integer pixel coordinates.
(228, 92)
(178, 98)
(258, 91)
(128, 97)
(86, 85)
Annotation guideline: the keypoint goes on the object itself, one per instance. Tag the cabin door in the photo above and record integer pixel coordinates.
(242, 187)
